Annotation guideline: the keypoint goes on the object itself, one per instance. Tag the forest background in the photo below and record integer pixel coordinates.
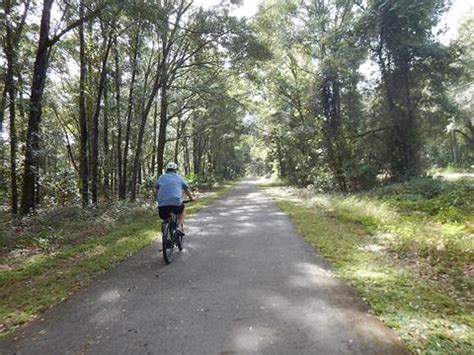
(97, 97)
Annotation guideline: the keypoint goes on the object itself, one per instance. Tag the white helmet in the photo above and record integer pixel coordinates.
(172, 166)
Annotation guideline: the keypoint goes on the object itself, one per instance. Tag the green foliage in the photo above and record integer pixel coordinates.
(460, 146)
(324, 119)
(403, 45)
(440, 200)
(59, 188)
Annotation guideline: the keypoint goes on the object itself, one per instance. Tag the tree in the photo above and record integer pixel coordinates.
(461, 128)
(12, 39)
(401, 39)
(45, 43)
(84, 161)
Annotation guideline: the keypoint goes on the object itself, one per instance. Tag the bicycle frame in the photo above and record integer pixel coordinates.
(170, 238)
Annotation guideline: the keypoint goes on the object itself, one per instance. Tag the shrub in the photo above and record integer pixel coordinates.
(59, 188)
(441, 200)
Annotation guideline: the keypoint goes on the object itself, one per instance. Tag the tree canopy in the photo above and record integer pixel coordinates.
(97, 96)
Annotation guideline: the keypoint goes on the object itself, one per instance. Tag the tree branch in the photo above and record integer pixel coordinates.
(75, 24)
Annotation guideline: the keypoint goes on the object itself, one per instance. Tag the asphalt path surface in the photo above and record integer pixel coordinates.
(245, 283)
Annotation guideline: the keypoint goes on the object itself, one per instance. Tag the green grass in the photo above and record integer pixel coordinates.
(42, 281)
(403, 252)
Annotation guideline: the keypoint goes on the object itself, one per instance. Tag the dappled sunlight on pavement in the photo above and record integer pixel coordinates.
(245, 283)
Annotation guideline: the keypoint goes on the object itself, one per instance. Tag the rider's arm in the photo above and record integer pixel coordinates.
(186, 189)
(189, 194)
(156, 187)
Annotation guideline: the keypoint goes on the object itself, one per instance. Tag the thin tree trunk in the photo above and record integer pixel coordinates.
(119, 123)
(155, 128)
(13, 148)
(176, 143)
(138, 151)
(3, 104)
(187, 163)
(123, 183)
(10, 89)
(95, 123)
(162, 133)
(106, 168)
(83, 120)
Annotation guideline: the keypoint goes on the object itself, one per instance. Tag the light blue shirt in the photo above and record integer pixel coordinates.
(170, 187)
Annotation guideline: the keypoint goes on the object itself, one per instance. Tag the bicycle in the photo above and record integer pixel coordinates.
(171, 237)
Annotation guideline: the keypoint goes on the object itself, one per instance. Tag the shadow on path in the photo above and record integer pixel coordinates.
(245, 283)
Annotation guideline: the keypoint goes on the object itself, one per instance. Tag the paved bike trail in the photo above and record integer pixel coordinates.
(245, 283)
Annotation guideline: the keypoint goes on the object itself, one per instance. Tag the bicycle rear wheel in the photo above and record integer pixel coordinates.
(168, 245)
(179, 240)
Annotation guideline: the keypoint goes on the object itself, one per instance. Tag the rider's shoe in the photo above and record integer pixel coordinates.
(180, 230)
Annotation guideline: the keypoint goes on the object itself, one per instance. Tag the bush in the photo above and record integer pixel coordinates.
(441, 200)
(59, 188)
(323, 179)
(362, 177)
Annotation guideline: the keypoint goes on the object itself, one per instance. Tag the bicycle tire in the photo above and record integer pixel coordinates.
(168, 245)
(179, 241)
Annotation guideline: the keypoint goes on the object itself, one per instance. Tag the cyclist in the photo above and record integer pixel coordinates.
(168, 191)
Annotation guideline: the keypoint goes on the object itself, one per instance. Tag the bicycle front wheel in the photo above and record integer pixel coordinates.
(168, 245)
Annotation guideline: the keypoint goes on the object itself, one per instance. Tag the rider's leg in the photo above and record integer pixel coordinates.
(181, 220)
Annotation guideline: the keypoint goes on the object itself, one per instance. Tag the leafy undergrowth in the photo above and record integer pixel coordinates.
(69, 251)
(407, 248)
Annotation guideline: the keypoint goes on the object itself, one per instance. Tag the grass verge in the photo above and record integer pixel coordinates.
(407, 249)
(41, 281)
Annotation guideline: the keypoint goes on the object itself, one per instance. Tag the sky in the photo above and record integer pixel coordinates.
(451, 19)
(248, 9)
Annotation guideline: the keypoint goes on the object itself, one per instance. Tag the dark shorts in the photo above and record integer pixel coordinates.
(165, 211)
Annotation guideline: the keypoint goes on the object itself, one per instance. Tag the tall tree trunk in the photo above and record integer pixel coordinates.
(123, 183)
(3, 105)
(95, 122)
(198, 150)
(176, 143)
(138, 151)
(13, 150)
(28, 202)
(187, 163)
(119, 123)
(412, 145)
(10, 89)
(335, 150)
(454, 147)
(162, 133)
(155, 128)
(83, 120)
(106, 168)
(13, 147)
